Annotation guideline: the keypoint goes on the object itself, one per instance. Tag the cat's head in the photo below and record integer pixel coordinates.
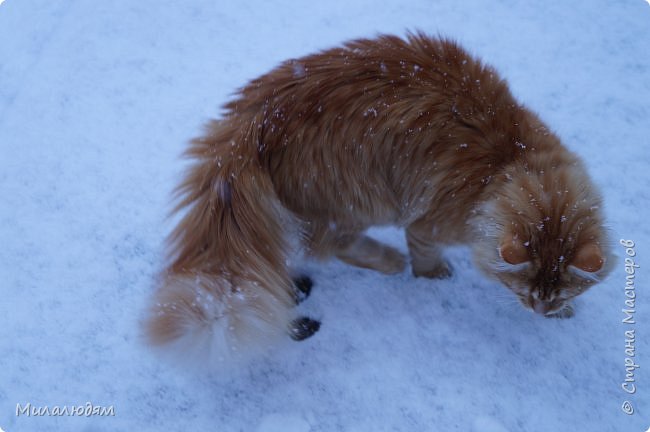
(542, 235)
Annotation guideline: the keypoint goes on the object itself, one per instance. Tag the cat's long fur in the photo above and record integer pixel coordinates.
(411, 132)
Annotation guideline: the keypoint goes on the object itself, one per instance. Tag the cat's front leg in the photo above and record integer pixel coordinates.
(426, 256)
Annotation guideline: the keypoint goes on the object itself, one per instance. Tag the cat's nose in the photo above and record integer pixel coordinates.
(541, 307)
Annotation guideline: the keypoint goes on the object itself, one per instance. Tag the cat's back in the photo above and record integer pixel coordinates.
(365, 78)
(366, 123)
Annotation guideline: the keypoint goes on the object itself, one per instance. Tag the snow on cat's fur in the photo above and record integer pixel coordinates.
(415, 133)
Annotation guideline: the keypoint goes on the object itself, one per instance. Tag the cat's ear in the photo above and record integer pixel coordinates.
(589, 258)
(513, 251)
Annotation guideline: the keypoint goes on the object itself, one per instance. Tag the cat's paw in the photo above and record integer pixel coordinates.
(302, 328)
(566, 312)
(302, 287)
(441, 271)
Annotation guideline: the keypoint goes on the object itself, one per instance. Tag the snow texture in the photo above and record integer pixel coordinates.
(97, 101)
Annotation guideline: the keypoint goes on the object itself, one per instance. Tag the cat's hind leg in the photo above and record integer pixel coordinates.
(426, 256)
(357, 249)
(366, 252)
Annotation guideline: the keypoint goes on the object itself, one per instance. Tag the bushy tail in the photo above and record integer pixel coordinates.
(227, 288)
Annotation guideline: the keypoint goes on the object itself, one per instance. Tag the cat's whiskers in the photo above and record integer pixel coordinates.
(506, 299)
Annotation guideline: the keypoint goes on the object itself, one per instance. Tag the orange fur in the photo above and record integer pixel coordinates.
(415, 133)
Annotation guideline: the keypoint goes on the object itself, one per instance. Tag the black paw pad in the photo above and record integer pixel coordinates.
(302, 286)
(302, 328)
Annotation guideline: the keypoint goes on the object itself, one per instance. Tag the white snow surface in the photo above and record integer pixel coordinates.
(98, 100)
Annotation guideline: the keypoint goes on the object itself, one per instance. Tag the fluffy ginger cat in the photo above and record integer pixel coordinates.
(410, 132)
